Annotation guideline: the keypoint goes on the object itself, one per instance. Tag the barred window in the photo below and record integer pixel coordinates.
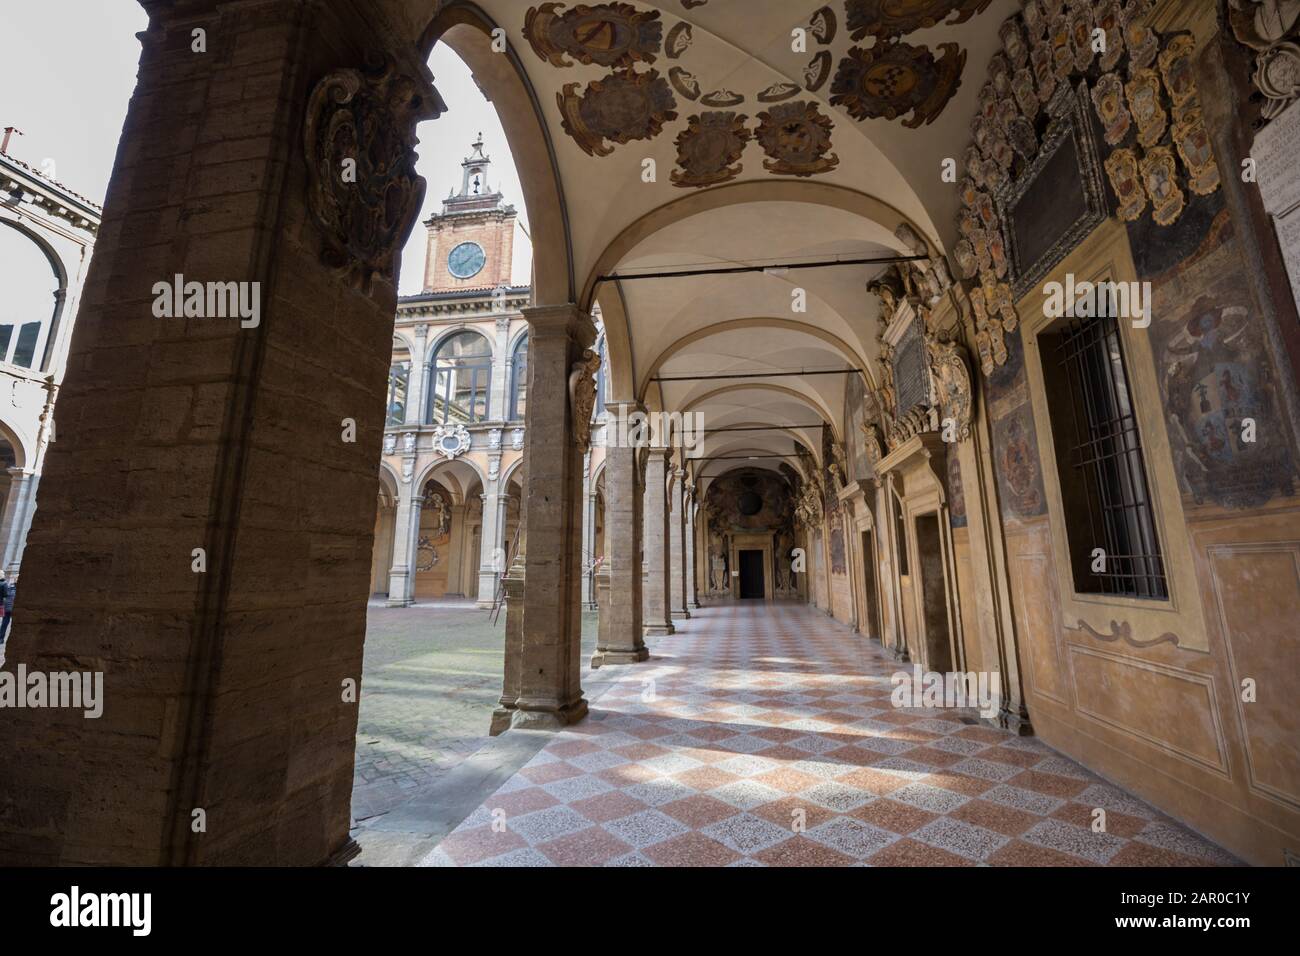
(1109, 519)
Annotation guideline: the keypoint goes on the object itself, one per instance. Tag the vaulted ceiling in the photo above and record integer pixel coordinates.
(687, 135)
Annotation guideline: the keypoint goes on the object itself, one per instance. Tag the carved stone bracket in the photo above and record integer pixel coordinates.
(582, 394)
(363, 191)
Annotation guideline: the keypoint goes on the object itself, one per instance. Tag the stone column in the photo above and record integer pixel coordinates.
(417, 385)
(406, 537)
(588, 535)
(692, 553)
(499, 389)
(542, 656)
(677, 543)
(491, 550)
(621, 639)
(17, 518)
(658, 620)
(233, 687)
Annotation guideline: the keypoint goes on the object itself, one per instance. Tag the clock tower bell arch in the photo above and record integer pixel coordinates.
(471, 242)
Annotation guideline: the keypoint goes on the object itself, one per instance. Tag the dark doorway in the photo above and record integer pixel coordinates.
(934, 594)
(872, 623)
(751, 574)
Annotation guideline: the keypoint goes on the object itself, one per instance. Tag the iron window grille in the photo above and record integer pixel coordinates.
(1104, 482)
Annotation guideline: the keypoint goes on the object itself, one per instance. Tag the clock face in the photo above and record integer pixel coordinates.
(466, 260)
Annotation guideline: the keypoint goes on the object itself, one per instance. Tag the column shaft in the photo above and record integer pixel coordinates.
(677, 542)
(549, 637)
(657, 545)
(621, 639)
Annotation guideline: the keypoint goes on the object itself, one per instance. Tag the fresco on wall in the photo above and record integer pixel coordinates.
(1015, 439)
(1020, 474)
(1215, 380)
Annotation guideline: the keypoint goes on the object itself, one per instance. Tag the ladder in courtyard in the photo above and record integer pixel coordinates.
(499, 594)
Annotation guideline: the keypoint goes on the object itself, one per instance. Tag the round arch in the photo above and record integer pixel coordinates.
(457, 469)
(432, 349)
(844, 348)
(467, 29)
(753, 191)
(818, 407)
(22, 454)
(60, 271)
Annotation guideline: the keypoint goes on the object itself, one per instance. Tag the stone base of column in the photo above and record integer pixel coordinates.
(613, 655)
(537, 716)
(900, 654)
(399, 602)
(659, 630)
(682, 615)
(695, 603)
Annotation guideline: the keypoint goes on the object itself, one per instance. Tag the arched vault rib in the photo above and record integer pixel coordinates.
(467, 29)
(853, 358)
(820, 409)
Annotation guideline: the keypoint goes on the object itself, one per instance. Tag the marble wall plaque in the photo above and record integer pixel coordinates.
(1274, 151)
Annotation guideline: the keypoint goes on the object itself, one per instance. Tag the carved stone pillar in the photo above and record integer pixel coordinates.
(544, 655)
(17, 517)
(406, 538)
(491, 556)
(588, 535)
(658, 621)
(418, 383)
(228, 171)
(621, 639)
(677, 541)
(692, 552)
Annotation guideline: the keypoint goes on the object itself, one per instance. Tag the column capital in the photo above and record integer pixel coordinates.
(566, 318)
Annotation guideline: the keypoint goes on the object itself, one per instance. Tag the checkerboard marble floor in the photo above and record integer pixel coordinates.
(763, 734)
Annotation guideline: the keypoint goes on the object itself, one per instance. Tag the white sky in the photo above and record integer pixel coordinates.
(67, 71)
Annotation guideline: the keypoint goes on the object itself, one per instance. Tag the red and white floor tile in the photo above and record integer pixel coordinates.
(763, 734)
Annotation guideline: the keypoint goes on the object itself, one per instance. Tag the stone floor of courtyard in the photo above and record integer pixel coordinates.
(764, 734)
(431, 678)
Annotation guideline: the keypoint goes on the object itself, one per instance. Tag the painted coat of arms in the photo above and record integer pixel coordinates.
(892, 80)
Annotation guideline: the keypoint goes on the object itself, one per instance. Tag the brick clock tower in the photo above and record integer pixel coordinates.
(471, 242)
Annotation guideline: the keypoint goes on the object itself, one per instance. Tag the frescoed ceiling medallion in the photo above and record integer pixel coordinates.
(1023, 138)
(824, 25)
(619, 108)
(1000, 73)
(778, 92)
(967, 191)
(998, 261)
(1013, 42)
(1007, 113)
(1040, 58)
(964, 254)
(1080, 23)
(614, 35)
(1193, 142)
(722, 99)
(1122, 171)
(1143, 92)
(1160, 178)
(797, 140)
(892, 80)
(818, 70)
(685, 83)
(1022, 88)
(1035, 22)
(1058, 38)
(1000, 302)
(1108, 100)
(1176, 68)
(709, 149)
(884, 19)
(679, 40)
(1140, 40)
(1109, 20)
